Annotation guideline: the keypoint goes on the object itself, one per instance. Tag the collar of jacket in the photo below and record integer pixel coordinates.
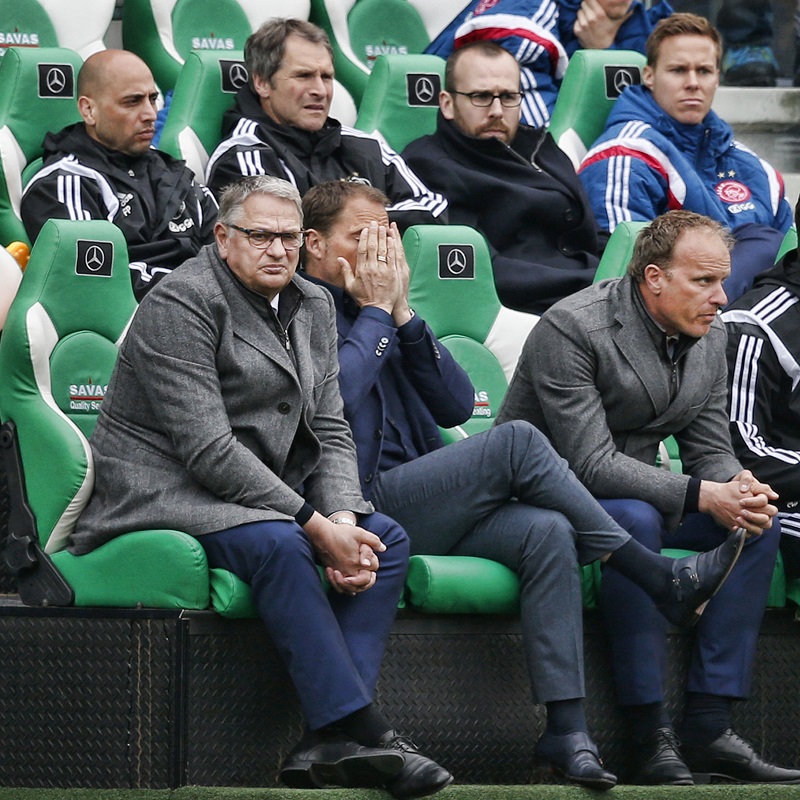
(656, 332)
(302, 143)
(344, 302)
(636, 104)
(525, 144)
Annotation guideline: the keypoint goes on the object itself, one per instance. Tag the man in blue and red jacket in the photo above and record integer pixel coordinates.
(664, 148)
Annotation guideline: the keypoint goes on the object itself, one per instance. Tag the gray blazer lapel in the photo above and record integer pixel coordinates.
(635, 346)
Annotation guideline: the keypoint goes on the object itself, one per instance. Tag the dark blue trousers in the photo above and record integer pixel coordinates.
(332, 644)
(726, 635)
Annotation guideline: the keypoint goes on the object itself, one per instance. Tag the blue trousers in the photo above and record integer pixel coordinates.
(506, 495)
(332, 644)
(725, 637)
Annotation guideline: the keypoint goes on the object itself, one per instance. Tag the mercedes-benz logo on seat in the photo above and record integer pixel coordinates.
(456, 261)
(423, 88)
(94, 258)
(56, 80)
(619, 77)
(234, 75)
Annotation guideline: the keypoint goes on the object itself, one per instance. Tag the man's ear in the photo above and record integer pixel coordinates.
(86, 109)
(654, 277)
(315, 248)
(647, 76)
(221, 236)
(446, 104)
(261, 86)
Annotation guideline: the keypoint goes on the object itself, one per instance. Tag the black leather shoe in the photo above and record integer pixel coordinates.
(659, 761)
(696, 579)
(730, 756)
(574, 756)
(334, 760)
(419, 776)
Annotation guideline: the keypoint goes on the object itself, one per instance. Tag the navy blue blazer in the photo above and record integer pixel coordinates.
(436, 390)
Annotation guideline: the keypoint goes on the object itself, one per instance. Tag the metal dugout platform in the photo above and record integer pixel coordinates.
(160, 699)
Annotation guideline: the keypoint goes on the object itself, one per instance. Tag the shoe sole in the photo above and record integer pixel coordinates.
(702, 778)
(698, 612)
(427, 793)
(364, 771)
(299, 778)
(600, 784)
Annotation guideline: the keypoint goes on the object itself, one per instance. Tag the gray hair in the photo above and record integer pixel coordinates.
(655, 243)
(264, 50)
(234, 196)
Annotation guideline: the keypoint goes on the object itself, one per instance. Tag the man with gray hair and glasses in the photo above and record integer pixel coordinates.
(223, 419)
(279, 125)
(508, 180)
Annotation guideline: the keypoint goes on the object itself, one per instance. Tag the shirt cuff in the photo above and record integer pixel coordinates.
(304, 514)
(692, 499)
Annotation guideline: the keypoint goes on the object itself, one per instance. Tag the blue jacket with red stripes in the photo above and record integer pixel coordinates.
(646, 163)
(539, 34)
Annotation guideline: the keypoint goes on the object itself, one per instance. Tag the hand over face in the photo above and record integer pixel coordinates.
(373, 281)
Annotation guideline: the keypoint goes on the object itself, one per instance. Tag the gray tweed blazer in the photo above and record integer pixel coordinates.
(590, 377)
(208, 423)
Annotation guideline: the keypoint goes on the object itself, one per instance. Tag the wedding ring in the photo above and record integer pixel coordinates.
(381, 258)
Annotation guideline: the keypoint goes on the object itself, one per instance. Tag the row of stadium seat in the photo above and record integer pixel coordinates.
(57, 351)
(165, 32)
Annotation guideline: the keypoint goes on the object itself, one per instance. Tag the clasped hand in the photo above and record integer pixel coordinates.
(347, 552)
(742, 502)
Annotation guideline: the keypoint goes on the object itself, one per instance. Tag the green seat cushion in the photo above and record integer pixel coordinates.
(154, 569)
(467, 585)
(230, 595)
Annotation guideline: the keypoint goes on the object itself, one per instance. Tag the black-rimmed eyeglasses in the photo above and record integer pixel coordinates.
(485, 99)
(261, 239)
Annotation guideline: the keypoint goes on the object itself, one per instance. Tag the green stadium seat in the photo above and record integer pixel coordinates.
(592, 82)
(37, 95)
(619, 250)
(401, 99)
(57, 352)
(78, 25)
(362, 30)
(205, 90)
(452, 287)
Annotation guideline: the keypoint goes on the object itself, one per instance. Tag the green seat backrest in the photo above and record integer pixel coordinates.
(205, 90)
(789, 243)
(79, 25)
(57, 352)
(164, 32)
(362, 30)
(401, 99)
(592, 82)
(619, 250)
(37, 95)
(452, 288)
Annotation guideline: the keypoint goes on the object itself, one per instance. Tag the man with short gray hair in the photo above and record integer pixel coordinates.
(280, 126)
(223, 419)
